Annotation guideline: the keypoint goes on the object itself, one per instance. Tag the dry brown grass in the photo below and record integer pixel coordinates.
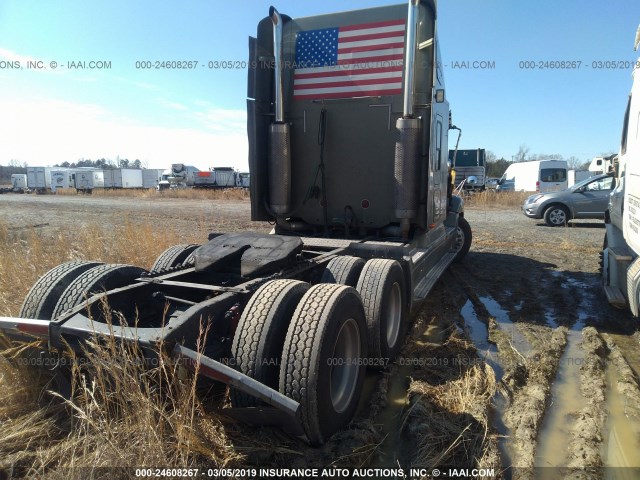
(122, 414)
(493, 199)
(450, 420)
(25, 255)
(190, 193)
(449, 405)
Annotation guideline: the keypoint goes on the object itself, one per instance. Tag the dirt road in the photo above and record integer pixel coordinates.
(516, 362)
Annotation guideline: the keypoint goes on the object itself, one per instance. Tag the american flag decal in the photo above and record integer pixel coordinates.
(353, 61)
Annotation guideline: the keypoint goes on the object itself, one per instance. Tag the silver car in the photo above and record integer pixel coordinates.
(586, 199)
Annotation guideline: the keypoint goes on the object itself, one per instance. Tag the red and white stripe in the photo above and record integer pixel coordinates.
(369, 64)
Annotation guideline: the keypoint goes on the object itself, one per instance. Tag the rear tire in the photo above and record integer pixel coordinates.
(323, 365)
(259, 337)
(98, 279)
(556, 216)
(381, 286)
(344, 270)
(174, 257)
(43, 296)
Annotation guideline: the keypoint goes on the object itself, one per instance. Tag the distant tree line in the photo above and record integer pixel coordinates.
(103, 163)
(497, 166)
(13, 167)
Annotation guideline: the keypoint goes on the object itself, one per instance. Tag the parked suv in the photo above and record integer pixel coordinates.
(586, 199)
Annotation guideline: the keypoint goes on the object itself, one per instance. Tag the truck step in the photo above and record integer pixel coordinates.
(325, 242)
(426, 284)
(615, 297)
(621, 254)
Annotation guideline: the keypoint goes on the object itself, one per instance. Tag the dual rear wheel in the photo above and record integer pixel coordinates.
(313, 344)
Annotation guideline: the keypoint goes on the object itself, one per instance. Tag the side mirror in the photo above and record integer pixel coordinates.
(580, 190)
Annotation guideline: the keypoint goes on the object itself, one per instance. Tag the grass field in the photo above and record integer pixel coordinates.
(192, 193)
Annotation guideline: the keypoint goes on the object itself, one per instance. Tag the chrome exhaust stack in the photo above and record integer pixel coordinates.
(410, 58)
(280, 138)
(407, 154)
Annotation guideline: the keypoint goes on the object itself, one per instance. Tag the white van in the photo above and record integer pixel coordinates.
(535, 176)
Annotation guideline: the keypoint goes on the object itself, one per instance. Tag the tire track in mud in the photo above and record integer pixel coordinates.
(572, 388)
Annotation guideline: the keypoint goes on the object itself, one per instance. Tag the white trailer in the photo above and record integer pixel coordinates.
(61, 178)
(19, 182)
(122, 178)
(535, 176)
(151, 177)
(601, 164)
(38, 178)
(88, 180)
(621, 247)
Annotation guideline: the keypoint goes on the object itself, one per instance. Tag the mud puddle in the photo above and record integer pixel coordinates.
(566, 400)
(517, 339)
(621, 445)
(394, 449)
(479, 334)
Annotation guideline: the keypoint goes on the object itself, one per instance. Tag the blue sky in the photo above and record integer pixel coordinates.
(197, 116)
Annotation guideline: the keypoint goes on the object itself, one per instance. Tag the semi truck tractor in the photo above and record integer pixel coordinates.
(470, 168)
(348, 123)
(620, 258)
(19, 182)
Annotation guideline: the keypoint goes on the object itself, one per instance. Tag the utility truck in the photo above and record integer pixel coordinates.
(348, 159)
(620, 257)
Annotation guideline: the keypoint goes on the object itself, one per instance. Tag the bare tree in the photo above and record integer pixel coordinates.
(522, 155)
(575, 163)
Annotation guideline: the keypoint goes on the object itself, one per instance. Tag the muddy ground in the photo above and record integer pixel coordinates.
(516, 362)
